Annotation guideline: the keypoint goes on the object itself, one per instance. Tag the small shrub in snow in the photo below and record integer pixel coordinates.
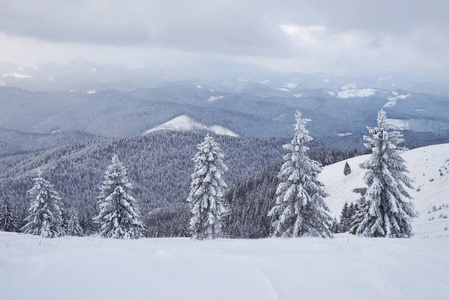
(347, 169)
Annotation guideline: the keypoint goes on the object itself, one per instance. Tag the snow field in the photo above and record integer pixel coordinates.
(346, 267)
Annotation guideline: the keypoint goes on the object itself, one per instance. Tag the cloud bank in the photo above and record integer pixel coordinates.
(334, 36)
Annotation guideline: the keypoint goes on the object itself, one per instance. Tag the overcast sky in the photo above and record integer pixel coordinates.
(294, 36)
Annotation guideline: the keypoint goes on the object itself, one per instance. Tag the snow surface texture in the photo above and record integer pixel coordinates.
(346, 267)
(429, 169)
(184, 123)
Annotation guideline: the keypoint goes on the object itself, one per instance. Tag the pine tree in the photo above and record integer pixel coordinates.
(8, 219)
(45, 216)
(89, 225)
(384, 209)
(347, 169)
(207, 188)
(300, 209)
(73, 227)
(345, 218)
(119, 213)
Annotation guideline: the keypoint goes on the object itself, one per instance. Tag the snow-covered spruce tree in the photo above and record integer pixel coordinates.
(300, 209)
(345, 219)
(45, 216)
(347, 169)
(89, 225)
(207, 188)
(8, 219)
(119, 215)
(73, 227)
(385, 209)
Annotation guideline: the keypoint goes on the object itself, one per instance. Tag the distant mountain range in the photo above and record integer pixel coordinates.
(84, 76)
(339, 115)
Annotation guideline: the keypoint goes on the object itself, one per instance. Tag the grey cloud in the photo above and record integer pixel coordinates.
(387, 33)
(204, 26)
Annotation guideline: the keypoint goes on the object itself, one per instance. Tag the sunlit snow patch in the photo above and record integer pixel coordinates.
(344, 134)
(331, 93)
(214, 98)
(393, 99)
(326, 80)
(290, 85)
(356, 93)
(265, 81)
(299, 95)
(91, 91)
(283, 89)
(184, 123)
(398, 124)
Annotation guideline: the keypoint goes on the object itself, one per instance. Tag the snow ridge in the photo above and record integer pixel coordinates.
(352, 93)
(184, 123)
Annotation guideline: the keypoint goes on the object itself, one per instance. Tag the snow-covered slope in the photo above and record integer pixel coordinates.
(429, 168)
(268, 269)
(184, 123)
(352, 93)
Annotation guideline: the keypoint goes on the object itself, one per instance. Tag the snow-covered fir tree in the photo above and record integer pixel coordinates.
(8, 219)
(384, 209)
(73, 226)
(300, 209)
(45, 216)
(207, 188)
(88, 224)
(345, 219)
(347, 169)
(119, 212)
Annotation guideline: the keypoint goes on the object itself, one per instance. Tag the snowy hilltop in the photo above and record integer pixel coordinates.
(429, 170)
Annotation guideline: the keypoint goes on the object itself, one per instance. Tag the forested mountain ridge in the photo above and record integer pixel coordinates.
(159, 167)
(339, 116)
